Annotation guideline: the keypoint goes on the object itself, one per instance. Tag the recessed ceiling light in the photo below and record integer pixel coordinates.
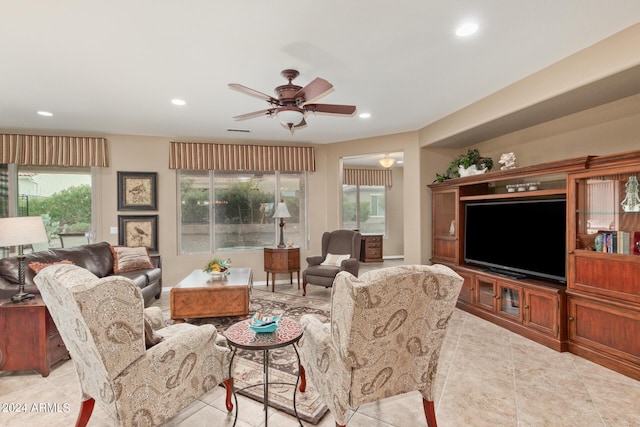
(364, 115)
(178, 102)
(45, 113)
(467, 29)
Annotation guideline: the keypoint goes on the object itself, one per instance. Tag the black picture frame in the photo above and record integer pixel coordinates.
(137, 191)
(138, 230)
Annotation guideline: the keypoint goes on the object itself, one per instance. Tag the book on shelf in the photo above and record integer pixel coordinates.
(606, 242)
(624, 238)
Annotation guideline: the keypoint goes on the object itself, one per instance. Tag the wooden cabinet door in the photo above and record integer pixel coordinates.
(466, 293)
(485, 293)
(610, 329)
(541, 312)
(509, 301)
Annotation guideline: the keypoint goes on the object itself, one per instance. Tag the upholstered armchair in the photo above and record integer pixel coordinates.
(340, 252)
(107, 331)
(384, 338)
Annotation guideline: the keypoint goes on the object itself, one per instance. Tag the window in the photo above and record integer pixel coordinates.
(4, 191)
(232, 210)
(60, 195)
(363, 208)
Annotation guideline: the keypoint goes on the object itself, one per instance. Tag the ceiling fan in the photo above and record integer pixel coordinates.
(293, 102)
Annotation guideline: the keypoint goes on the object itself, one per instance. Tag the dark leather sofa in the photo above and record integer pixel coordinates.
(96, 257)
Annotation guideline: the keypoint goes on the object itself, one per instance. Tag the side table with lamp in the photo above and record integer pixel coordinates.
(29, 338)
(281, 258)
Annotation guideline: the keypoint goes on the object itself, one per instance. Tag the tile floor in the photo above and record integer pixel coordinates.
(487, 376)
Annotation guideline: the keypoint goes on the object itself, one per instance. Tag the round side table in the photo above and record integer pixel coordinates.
(239, 335)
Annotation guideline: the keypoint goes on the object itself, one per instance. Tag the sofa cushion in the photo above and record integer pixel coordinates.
(127, 259)
(95, 257)
(139, 279)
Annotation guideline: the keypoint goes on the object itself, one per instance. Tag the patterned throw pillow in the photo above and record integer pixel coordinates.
(335, 260)
(127, 259)
(37, 266)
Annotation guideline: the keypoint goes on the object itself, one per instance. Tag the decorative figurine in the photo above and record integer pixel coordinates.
(508, 160)
(631, 202)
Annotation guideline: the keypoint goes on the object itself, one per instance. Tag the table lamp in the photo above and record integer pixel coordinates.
(20, 231)
(281, 212)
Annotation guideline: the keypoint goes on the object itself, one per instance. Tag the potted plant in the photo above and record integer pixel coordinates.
(467, 164)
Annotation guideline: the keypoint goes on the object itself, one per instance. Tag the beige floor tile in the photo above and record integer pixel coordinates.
(487, 376)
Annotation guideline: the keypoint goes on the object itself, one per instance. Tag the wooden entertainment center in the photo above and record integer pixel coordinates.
(597, 314)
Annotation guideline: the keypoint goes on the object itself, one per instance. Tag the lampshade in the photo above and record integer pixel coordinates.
(22, 230)
(290, 117)
(281, 211)
(387, 162)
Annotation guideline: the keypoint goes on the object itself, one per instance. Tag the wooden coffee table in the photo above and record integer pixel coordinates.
(198, 295)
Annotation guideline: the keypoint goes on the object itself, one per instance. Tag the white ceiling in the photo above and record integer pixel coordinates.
(112, 67)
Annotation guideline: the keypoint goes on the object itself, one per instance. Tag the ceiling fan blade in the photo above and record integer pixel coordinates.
(253, 92)
(314, 90)
(331, 109)
(267, 112)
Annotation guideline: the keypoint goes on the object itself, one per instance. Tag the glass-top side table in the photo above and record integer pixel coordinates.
(239, 335)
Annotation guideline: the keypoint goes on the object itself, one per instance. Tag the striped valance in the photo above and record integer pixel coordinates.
(39, 150)
(379, 177)
(195, 155)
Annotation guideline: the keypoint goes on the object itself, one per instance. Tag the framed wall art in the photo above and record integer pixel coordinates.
(137, 191)
(138, 230)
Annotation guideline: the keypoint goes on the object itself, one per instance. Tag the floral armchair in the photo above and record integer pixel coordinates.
(102, 323)
(384, 338)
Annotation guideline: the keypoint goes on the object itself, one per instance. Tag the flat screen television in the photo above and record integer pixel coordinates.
(518, 238)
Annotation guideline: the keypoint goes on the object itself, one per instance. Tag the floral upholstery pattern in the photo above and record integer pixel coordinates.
(384, 336)
(101, 323)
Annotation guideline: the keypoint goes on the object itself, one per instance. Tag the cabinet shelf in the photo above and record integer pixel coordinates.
(516, 195)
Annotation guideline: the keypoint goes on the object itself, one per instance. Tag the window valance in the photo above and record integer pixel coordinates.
(379, 177)
(195, 155)
(39, 150)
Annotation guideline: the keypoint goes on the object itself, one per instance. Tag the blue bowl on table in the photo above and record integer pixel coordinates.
(263, 323)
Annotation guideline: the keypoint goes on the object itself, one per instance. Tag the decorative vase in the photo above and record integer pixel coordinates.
(471, 170)
(631, 202)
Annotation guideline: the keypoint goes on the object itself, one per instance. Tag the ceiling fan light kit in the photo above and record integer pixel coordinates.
(290, 117)
(293, 101)
(387, 162)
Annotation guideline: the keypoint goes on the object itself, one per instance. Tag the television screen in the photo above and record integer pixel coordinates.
(518, 238)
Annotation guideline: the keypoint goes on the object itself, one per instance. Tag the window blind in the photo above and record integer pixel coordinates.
(378, 177)
(39, 150)
(194, 156)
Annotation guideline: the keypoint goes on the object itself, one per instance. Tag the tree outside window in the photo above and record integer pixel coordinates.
(232, 211)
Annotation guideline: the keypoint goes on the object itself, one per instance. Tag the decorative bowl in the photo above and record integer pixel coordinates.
(260, 323)
(218, 275)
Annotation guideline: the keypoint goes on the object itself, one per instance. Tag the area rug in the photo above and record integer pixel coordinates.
(248, 367)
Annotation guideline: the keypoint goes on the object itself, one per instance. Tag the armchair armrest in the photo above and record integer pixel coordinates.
(317, 333)
(172, 355)
(314, 260)
(168, 376)
(153, 315)
(350, 265)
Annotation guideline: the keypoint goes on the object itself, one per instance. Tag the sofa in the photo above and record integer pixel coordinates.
(99, 258)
